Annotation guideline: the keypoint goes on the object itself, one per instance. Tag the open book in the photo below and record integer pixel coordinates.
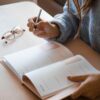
(44, 69)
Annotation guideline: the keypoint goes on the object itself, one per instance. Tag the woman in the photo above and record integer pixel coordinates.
(79, 18)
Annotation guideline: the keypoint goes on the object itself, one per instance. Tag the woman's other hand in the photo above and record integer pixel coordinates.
(89, 86)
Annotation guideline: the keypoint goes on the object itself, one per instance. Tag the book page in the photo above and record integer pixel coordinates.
(33, 58)
(53, 78)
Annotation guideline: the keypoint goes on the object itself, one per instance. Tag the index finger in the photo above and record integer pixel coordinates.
(35, 18)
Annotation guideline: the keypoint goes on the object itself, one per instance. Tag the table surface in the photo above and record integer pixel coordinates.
(17, 14)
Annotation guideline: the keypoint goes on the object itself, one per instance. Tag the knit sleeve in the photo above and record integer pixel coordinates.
(67, 23)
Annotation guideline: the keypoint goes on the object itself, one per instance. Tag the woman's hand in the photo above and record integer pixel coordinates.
(89, 87)
(43, 29)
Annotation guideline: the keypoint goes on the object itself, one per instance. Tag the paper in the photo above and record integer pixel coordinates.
(36, 57)
(53, 78)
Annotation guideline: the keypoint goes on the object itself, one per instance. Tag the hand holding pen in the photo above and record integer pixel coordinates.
(32, 22)
(41, 28)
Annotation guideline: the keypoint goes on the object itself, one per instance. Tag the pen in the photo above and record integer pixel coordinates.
(37, 19)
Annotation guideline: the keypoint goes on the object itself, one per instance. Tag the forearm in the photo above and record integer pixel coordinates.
(67, 25)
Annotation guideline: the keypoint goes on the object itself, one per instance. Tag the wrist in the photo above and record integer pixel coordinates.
(56, 29)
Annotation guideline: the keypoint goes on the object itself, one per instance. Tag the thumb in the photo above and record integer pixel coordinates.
(78, 92)
(77, 78)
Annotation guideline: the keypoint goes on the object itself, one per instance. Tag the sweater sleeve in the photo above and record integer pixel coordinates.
(67, 23)
(94, 26)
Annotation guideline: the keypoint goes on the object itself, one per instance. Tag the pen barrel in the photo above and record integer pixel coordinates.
(38, 17)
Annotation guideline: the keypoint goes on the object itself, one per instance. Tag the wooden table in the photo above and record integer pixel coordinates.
(18, 13)
(80, 47)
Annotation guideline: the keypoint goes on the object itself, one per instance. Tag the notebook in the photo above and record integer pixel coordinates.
(44, 69)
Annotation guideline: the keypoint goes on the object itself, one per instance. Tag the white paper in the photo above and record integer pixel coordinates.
(52, 78)
(36, 57)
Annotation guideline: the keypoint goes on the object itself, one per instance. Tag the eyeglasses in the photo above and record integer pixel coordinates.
(13, 34)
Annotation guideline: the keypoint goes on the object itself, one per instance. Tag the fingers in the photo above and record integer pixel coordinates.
(34, 19)
(37, 28)
(41, 34)
(43, 29)
(31, 23)
(77, 78)
(80, 89)
(42, 25)
(78, 92)
(88, 88)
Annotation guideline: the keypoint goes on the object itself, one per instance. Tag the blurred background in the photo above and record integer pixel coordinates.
(51, 6)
